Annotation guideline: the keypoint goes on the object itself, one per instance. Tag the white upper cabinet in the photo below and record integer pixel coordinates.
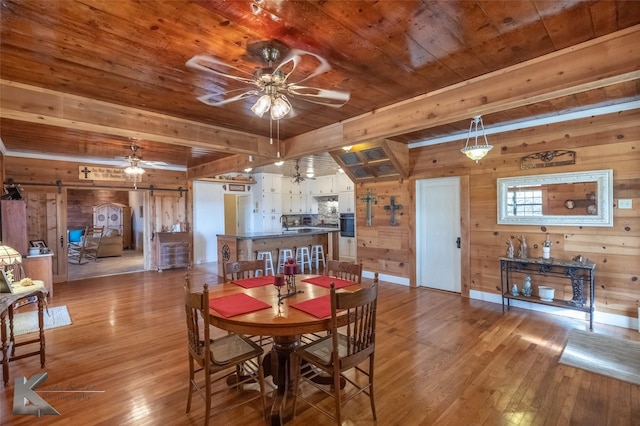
(286, 186)
(326, 185)
(268, 183)
(345, 183)
(346, 202)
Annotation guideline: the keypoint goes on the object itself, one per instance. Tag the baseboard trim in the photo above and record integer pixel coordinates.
(388, 278)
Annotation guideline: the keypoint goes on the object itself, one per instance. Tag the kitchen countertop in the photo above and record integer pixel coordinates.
(296, 231)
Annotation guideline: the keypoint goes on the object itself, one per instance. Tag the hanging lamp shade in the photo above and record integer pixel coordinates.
(476, 152)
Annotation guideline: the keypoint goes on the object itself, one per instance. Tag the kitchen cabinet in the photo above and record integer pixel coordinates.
(344, 183)
(286, 186)
(346, 202)
(325, 185)
(271, 203)
(347, 249)
(268, 183)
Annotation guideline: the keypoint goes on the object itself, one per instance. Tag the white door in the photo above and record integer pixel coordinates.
(243, 213)
(437, 232)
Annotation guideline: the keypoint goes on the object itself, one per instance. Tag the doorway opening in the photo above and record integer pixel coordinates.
(120, 212)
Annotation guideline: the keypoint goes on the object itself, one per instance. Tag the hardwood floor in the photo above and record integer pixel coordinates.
(130, 261)
(440, 359)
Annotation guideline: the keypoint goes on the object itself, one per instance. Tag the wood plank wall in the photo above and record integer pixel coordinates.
(603, 142)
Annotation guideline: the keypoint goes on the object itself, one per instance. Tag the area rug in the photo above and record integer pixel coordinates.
(27, 322)
(610, 356)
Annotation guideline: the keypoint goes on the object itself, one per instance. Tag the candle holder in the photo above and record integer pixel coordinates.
(278, 281)
(290, 271)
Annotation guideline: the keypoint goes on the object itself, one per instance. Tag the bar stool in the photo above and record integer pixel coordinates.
(317, 254)
(283, 255)
(268, 261)
(303, 258)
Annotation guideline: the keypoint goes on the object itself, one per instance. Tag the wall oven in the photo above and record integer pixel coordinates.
(347, 225)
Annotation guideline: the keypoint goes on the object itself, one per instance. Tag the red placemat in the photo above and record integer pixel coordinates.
(319, 307)
(254, 282)
(236, 304)
(325, 281)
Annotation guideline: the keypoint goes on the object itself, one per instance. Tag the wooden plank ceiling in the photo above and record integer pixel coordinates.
(133, 54)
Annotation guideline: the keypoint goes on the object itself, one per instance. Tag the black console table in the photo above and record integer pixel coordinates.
(580, 273)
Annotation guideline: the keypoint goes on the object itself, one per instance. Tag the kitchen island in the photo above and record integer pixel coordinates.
(246, 246)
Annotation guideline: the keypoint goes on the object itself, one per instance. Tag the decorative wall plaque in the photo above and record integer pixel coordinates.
(548, 159)
(102, 173)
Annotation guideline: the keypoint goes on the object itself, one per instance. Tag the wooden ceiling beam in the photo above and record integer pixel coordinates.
(43, 106)
(597, 63)
(230, 164)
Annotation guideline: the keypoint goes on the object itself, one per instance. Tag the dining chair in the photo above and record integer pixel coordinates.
(218, 359)
(345, 270)
(242, 269)
(88, 247)
(346, 347)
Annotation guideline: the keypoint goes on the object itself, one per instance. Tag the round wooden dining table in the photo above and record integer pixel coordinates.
(281, 321)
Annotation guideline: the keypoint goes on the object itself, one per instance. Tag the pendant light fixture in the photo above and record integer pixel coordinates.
(476, 152)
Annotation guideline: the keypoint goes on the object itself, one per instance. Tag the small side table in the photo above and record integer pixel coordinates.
(7, 300)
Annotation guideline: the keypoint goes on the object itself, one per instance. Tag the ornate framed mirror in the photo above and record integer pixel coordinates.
(574, 199)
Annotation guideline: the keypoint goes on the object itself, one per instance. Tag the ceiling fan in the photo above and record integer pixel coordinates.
(297, 177)
(271, 84)
(133, 162)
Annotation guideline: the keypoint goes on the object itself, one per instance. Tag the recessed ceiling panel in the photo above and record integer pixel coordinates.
(375, 154)
(360, 172)
(350, 158)
(383, 169)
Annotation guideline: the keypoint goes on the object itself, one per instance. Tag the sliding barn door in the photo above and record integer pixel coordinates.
(167, 212)
(47, 220)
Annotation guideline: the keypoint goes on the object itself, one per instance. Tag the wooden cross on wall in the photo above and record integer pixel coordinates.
(369, 198)
(392, 207)
(86, 172)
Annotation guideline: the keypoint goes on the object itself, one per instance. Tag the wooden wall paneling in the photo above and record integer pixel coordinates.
(32, 171)
(382, 247)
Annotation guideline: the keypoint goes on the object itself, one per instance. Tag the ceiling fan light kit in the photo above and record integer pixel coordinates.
(134, 169)
(476, 152)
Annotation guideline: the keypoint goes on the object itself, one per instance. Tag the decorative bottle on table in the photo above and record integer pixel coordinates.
(546, 248)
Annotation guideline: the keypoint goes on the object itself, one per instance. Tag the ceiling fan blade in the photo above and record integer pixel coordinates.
(211, 99)
(332, 98)
(209, 64)
(153, 163)
(289, 64)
